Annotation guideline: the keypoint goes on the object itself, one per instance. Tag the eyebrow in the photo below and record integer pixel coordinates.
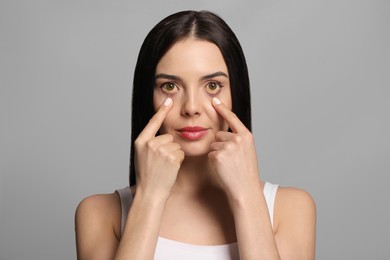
(213, 75)
(173, 77)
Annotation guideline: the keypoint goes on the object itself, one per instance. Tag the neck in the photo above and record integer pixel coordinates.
(196, 174)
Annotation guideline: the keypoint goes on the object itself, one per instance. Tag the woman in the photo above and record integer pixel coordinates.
(195, 186)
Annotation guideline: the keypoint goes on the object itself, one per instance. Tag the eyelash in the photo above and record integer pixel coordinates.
(169, 93)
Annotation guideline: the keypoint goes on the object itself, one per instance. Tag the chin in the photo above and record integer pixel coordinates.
(194, 155)
(195, 149)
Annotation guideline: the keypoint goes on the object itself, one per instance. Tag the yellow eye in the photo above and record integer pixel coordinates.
(169, 88)
(213, 88)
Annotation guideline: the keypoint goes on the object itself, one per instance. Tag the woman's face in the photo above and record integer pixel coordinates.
(192, 72)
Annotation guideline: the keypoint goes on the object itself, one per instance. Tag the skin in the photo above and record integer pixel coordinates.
(209, 188)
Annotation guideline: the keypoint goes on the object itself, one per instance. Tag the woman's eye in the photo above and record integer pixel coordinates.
(169, 88)
(213, 88)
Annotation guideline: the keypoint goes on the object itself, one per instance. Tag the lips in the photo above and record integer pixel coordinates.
(192, 132)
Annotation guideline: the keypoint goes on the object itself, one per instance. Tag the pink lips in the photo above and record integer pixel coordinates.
(192, 132)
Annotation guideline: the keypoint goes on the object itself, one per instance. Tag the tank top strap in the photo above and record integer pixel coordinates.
(269, 192)
(126, 198)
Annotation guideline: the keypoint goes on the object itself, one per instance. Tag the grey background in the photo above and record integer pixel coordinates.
(320, 91)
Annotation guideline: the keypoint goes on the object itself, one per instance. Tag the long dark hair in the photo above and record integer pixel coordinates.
(201, 25)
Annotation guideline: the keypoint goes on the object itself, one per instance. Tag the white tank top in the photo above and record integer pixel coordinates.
(171, 249)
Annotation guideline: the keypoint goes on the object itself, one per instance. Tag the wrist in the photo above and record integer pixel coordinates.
(247, 198)
(150, 198)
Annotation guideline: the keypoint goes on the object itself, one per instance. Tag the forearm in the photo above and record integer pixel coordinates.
(142, 227)
(253, 228)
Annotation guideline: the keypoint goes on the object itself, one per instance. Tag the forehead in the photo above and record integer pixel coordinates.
(192, 56)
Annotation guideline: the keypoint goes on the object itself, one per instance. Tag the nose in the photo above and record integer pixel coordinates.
(191, 105)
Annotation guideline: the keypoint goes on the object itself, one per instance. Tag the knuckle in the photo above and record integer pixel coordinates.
(161, 151)
(179, 159)
(137, 142)
(150, 144)
(238, 139)
(230, 146)
(217, 157)
(173, 158)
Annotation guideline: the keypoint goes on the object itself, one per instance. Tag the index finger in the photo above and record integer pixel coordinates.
(231, 119)
(156, 121)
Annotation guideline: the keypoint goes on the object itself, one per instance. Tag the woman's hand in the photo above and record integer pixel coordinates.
(234, 158)
(157, 158)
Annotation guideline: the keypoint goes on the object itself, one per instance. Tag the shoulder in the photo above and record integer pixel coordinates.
(100, 200)
(295, 222)
(293, 202)
(99, 207)
(97, 224)
(99, 212)
(99, 203)
(290, 197)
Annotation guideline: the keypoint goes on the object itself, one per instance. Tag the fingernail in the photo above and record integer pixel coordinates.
(216, 101)
(167, 102)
